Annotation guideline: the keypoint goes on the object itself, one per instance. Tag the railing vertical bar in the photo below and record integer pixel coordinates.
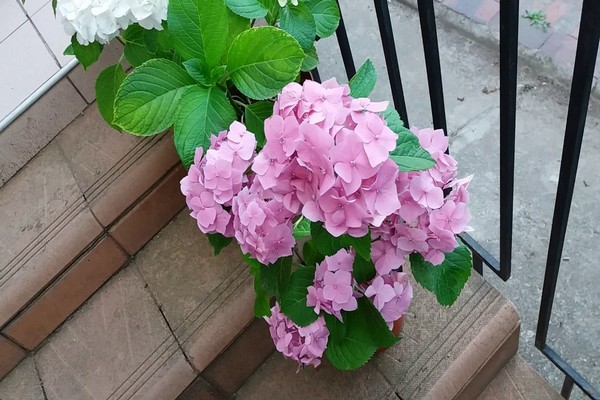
(478, 263)
(583, 74)
(391, 58)
(509, 33)
(315, 75)
(344, 43)
(432, 63)
(567, 387)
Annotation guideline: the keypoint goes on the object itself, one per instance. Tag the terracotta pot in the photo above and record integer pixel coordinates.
(396, 329)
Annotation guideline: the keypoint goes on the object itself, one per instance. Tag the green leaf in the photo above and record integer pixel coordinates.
(255, 116)
(87, 55)
(299, 22)
(251, 9)
(69, 50)
(311, 255)
(362, 244)
(276, 277)
(352, 343)
(261, 61)
(408, 154)
(157, 42)
(198, 29)
(301, 228)
(54, 2)
(201, 74)
(293, 300)
(326, 14)
(135, 50)
(447, 279)
(201, 113)
(262, 305)
(236, 25)
(148, 97)
(363, 83)
(311, 60)
(363, 270)
(393, 121)
(107, 85)
(218, 242)
(328, 245)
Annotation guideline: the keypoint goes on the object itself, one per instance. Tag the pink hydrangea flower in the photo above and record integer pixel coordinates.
(391, 294)
(305, 345)
(333, 288)
(378, 139)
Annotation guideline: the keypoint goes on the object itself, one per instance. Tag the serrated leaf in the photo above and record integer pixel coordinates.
(328, 245)
(255, 116)
(363, 270)
(201, 74)
(311, 60)
(69, 50)
(236, 26)
(135, 51)
(261, 61)
(86, 55)
(299, 22)
(326, 14)
(363, 82)
(157, 42)
(218, 242)
(352, 343)
(293, 300)
(301, 228)
(447, 279)
(202, 112)
(251, 9)
(274, 278)
(310, 254)
(148, 98)
(198, 29)
(107, 85)
(408, 154)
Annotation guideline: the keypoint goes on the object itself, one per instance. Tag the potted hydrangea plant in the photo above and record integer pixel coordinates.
(335, 205)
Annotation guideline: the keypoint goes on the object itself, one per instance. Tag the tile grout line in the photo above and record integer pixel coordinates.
(37, 371)
(37, 31)
(159, 307)
(79, 91)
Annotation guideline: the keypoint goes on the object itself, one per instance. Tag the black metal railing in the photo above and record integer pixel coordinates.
(587, 49)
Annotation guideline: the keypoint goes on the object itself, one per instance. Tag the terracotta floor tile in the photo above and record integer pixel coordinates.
(22, 383)
(149, 216)
(45, 224)
(116, 346)
(237, 363)
(85, 80)
(200, 390)
(11, 356)
(33, 130)
(52, 32)
(12, 17)
(93, 148)
(66, 295)
(31, 65)
(207, 300)
(133, 176)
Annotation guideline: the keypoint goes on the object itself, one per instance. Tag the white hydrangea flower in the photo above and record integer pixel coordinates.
(102, 20)
(282, 3)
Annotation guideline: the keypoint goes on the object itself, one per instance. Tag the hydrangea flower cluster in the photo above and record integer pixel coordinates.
(326, 158)
(333, 289)
(101, 20)
(306, 344)
(391, 294)
(427, 222)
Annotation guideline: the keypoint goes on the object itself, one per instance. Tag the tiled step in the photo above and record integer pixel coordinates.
(86, 202)
(153, 327)
(519, 381)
